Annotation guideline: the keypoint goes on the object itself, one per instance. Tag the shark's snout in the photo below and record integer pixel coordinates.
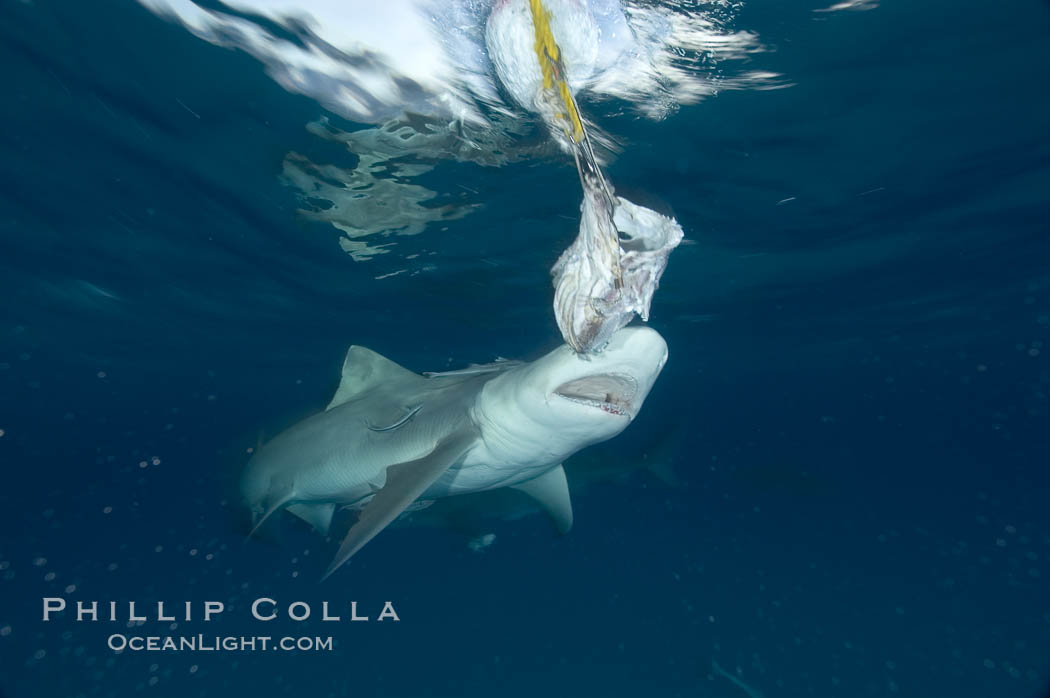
(641, 342)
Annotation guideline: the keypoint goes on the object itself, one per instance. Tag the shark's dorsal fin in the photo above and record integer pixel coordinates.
(363, 369)
(551, 491)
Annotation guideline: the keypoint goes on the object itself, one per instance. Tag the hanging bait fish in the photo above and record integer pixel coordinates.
(610, 272)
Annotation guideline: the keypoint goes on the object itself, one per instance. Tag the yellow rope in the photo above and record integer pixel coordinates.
(549, 56)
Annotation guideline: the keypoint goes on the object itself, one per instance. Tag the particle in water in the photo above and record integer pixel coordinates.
(481, 542)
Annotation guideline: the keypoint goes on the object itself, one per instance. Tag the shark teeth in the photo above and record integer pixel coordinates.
(609, 392)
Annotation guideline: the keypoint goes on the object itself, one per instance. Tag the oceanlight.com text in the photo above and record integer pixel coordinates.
(216, 643)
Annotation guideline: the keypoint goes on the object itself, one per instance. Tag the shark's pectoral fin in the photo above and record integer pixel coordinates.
(551, 491)
(317, 515)
(404, 483)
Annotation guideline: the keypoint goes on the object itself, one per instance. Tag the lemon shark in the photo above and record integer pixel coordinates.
(392, 439)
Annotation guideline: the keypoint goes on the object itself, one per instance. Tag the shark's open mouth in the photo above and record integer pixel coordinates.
(609, 392)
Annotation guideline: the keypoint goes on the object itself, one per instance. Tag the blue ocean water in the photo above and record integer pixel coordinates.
(855, 405)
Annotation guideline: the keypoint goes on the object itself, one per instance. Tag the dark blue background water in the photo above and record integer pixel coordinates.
(861, 374)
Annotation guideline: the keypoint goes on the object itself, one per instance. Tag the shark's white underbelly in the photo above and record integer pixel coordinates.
(481, 471)
(349, 476)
